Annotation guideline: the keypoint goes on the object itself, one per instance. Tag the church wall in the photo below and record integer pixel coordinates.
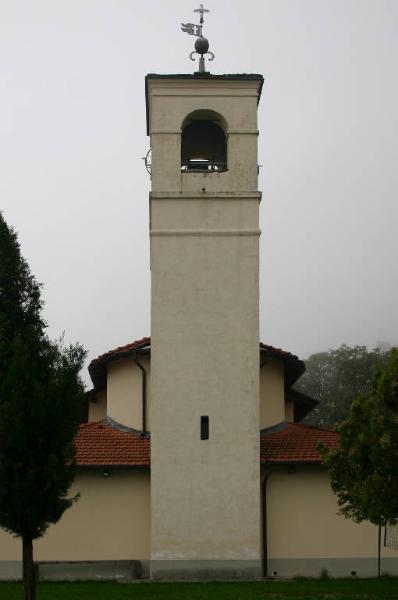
(109, 522)
(272, 393)
(97, 409)
(124, 392)
(305, 534)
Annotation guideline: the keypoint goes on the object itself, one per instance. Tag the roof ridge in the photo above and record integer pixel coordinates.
(316, 427)
(123, 347)
(105, 424)
(91, 424)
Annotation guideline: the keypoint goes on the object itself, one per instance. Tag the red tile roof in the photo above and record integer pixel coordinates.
(98, 445)
(295, 443)
(101, 445)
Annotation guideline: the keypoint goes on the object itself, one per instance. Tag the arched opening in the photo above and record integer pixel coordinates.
(204, 142)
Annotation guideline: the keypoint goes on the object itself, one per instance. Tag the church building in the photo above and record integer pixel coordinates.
(194, 462)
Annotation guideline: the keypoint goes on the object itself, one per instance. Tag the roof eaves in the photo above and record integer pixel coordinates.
(291, 462)
(96, 366)
(295, 367)
(113, 466)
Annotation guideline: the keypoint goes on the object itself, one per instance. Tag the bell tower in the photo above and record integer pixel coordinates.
(204, 231)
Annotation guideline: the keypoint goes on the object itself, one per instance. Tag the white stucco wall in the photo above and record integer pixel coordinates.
(303, 519)
(272, 393)
(110, 521)
(124, 392)
(97, 410)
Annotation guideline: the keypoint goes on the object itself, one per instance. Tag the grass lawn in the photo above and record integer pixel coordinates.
(338, 589)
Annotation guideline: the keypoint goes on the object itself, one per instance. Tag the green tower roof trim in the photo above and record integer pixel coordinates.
(196, 76)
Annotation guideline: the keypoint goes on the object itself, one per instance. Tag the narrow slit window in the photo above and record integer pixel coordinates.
(204, 428)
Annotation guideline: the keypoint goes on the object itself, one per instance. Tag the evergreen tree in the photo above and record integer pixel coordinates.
(40, 403)
(363, 469)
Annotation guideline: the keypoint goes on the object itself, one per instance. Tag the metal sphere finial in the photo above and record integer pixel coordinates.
(201, 44)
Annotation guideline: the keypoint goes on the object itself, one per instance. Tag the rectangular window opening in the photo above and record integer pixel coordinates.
(204, 428)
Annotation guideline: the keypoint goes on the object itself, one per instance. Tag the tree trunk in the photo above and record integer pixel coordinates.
(29, 576)
(379, 551)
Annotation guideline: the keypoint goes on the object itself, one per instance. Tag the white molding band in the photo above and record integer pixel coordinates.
(205, 232)
(208, 94)
(209, 195)
(229, 132)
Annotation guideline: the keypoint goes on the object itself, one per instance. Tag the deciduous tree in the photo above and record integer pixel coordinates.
(363, 469)
(336, 377)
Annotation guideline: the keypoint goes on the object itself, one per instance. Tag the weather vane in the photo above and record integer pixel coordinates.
(201, 44)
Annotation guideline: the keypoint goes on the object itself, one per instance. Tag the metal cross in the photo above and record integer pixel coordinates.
(201, 10)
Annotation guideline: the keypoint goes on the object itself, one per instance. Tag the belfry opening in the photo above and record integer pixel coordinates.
(204, 142)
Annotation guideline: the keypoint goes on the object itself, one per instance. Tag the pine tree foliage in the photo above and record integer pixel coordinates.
(40, 405)
(39, 414)
(20, 302)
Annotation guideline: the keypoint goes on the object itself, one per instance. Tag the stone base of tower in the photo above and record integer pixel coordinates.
(194, 570)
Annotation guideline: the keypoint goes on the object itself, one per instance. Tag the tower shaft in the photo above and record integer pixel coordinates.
(205, 474)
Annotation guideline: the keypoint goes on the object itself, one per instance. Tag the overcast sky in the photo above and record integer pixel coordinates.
(74, 186)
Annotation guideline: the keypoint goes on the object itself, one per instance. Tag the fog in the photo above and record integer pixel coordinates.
(74, 186)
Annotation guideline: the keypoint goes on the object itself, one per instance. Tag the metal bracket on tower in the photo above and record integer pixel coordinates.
(148, 161)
